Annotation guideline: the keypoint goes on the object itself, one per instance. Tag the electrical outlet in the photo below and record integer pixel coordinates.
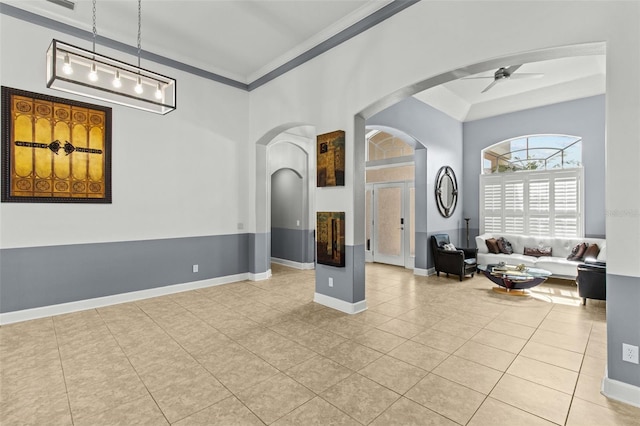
(630, 353)
(195, 268)
(330, 282)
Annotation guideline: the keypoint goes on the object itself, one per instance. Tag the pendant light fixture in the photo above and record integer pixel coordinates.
(87, 73)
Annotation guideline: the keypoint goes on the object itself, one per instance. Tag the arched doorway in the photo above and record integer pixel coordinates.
(286, 154)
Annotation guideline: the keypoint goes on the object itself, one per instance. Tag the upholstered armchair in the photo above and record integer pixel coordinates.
(459, 262)
(592, 281)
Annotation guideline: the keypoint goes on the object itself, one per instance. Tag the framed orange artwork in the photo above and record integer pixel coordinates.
(330, 249)
(330, 159)
(54, 150)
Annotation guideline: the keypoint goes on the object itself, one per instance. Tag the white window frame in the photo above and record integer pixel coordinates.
(496, 218)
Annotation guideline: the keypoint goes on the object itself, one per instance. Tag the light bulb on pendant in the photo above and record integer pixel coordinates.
(66, 68)
(138, 88)
(93, 74)
(158, 93)
(116, 80)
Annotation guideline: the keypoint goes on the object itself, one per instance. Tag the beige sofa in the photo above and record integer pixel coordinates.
(557, 263)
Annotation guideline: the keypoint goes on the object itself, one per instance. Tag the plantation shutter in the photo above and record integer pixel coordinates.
(566, 206)
(514, 207)
(492, 205)
(541, 203)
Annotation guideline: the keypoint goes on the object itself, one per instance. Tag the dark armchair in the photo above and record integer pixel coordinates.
(592, 281)
(460, 262)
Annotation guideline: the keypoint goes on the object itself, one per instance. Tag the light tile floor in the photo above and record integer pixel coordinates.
(428, 351)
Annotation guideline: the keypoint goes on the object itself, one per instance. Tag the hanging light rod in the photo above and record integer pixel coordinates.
(87, 73)
(83, 72)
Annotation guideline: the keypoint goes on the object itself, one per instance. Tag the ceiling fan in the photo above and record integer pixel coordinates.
(503, 74)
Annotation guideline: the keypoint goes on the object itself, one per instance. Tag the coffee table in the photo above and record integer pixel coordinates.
(509, 278)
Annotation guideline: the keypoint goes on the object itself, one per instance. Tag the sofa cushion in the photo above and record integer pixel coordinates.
(558, 266)
(578, 251)
(537, 251)
(602, 256)
(505, 246)
(592, 252)
(512, 259)
(492, 245)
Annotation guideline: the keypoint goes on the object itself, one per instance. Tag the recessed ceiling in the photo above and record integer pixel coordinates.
(238, 39)
(563, 80)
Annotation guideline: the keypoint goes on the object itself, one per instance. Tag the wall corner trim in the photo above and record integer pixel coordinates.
(424, 272)
(340, 305)
(260, 276)
(99, 302)
(620, 391)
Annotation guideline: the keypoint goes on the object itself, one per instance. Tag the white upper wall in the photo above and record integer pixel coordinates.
(177, 175)
(431, 38)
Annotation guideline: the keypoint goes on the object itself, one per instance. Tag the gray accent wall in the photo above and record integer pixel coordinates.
(292, 244)
(623, 326)
(42, 276)
(259, 252)
(290, 240)
(348, 282)
(582, 117)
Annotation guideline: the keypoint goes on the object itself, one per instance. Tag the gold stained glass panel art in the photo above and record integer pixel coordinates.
(54, 150)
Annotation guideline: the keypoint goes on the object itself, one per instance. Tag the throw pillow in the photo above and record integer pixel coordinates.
(537, 251)
(577, 253)
(592, 252)
(449, 247)
(504, 246)
(492, 245)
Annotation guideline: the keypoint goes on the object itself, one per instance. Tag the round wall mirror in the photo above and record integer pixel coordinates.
(446, 191)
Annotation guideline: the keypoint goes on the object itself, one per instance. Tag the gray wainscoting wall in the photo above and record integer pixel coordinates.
(292, 244)
(623, 326)
(348, 282)
(43, 276)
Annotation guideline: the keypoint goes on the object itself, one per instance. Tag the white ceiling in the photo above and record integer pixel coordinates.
(245, 39)
(238, 39)
(564, 79)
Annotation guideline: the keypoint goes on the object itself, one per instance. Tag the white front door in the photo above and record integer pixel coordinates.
(387, 225)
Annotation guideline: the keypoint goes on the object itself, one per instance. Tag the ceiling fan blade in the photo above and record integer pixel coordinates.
(475, 78)
(493, 83)
(512, 69)
(527, 75)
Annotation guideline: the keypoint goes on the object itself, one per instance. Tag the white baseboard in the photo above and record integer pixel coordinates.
(620, 391)
(259, 277)
(292, 264)
(99, 302)
(424, 272)
(340, 305)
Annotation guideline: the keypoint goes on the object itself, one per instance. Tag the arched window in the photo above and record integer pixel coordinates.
(533, 185)
(537, 152)
(382, 146)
